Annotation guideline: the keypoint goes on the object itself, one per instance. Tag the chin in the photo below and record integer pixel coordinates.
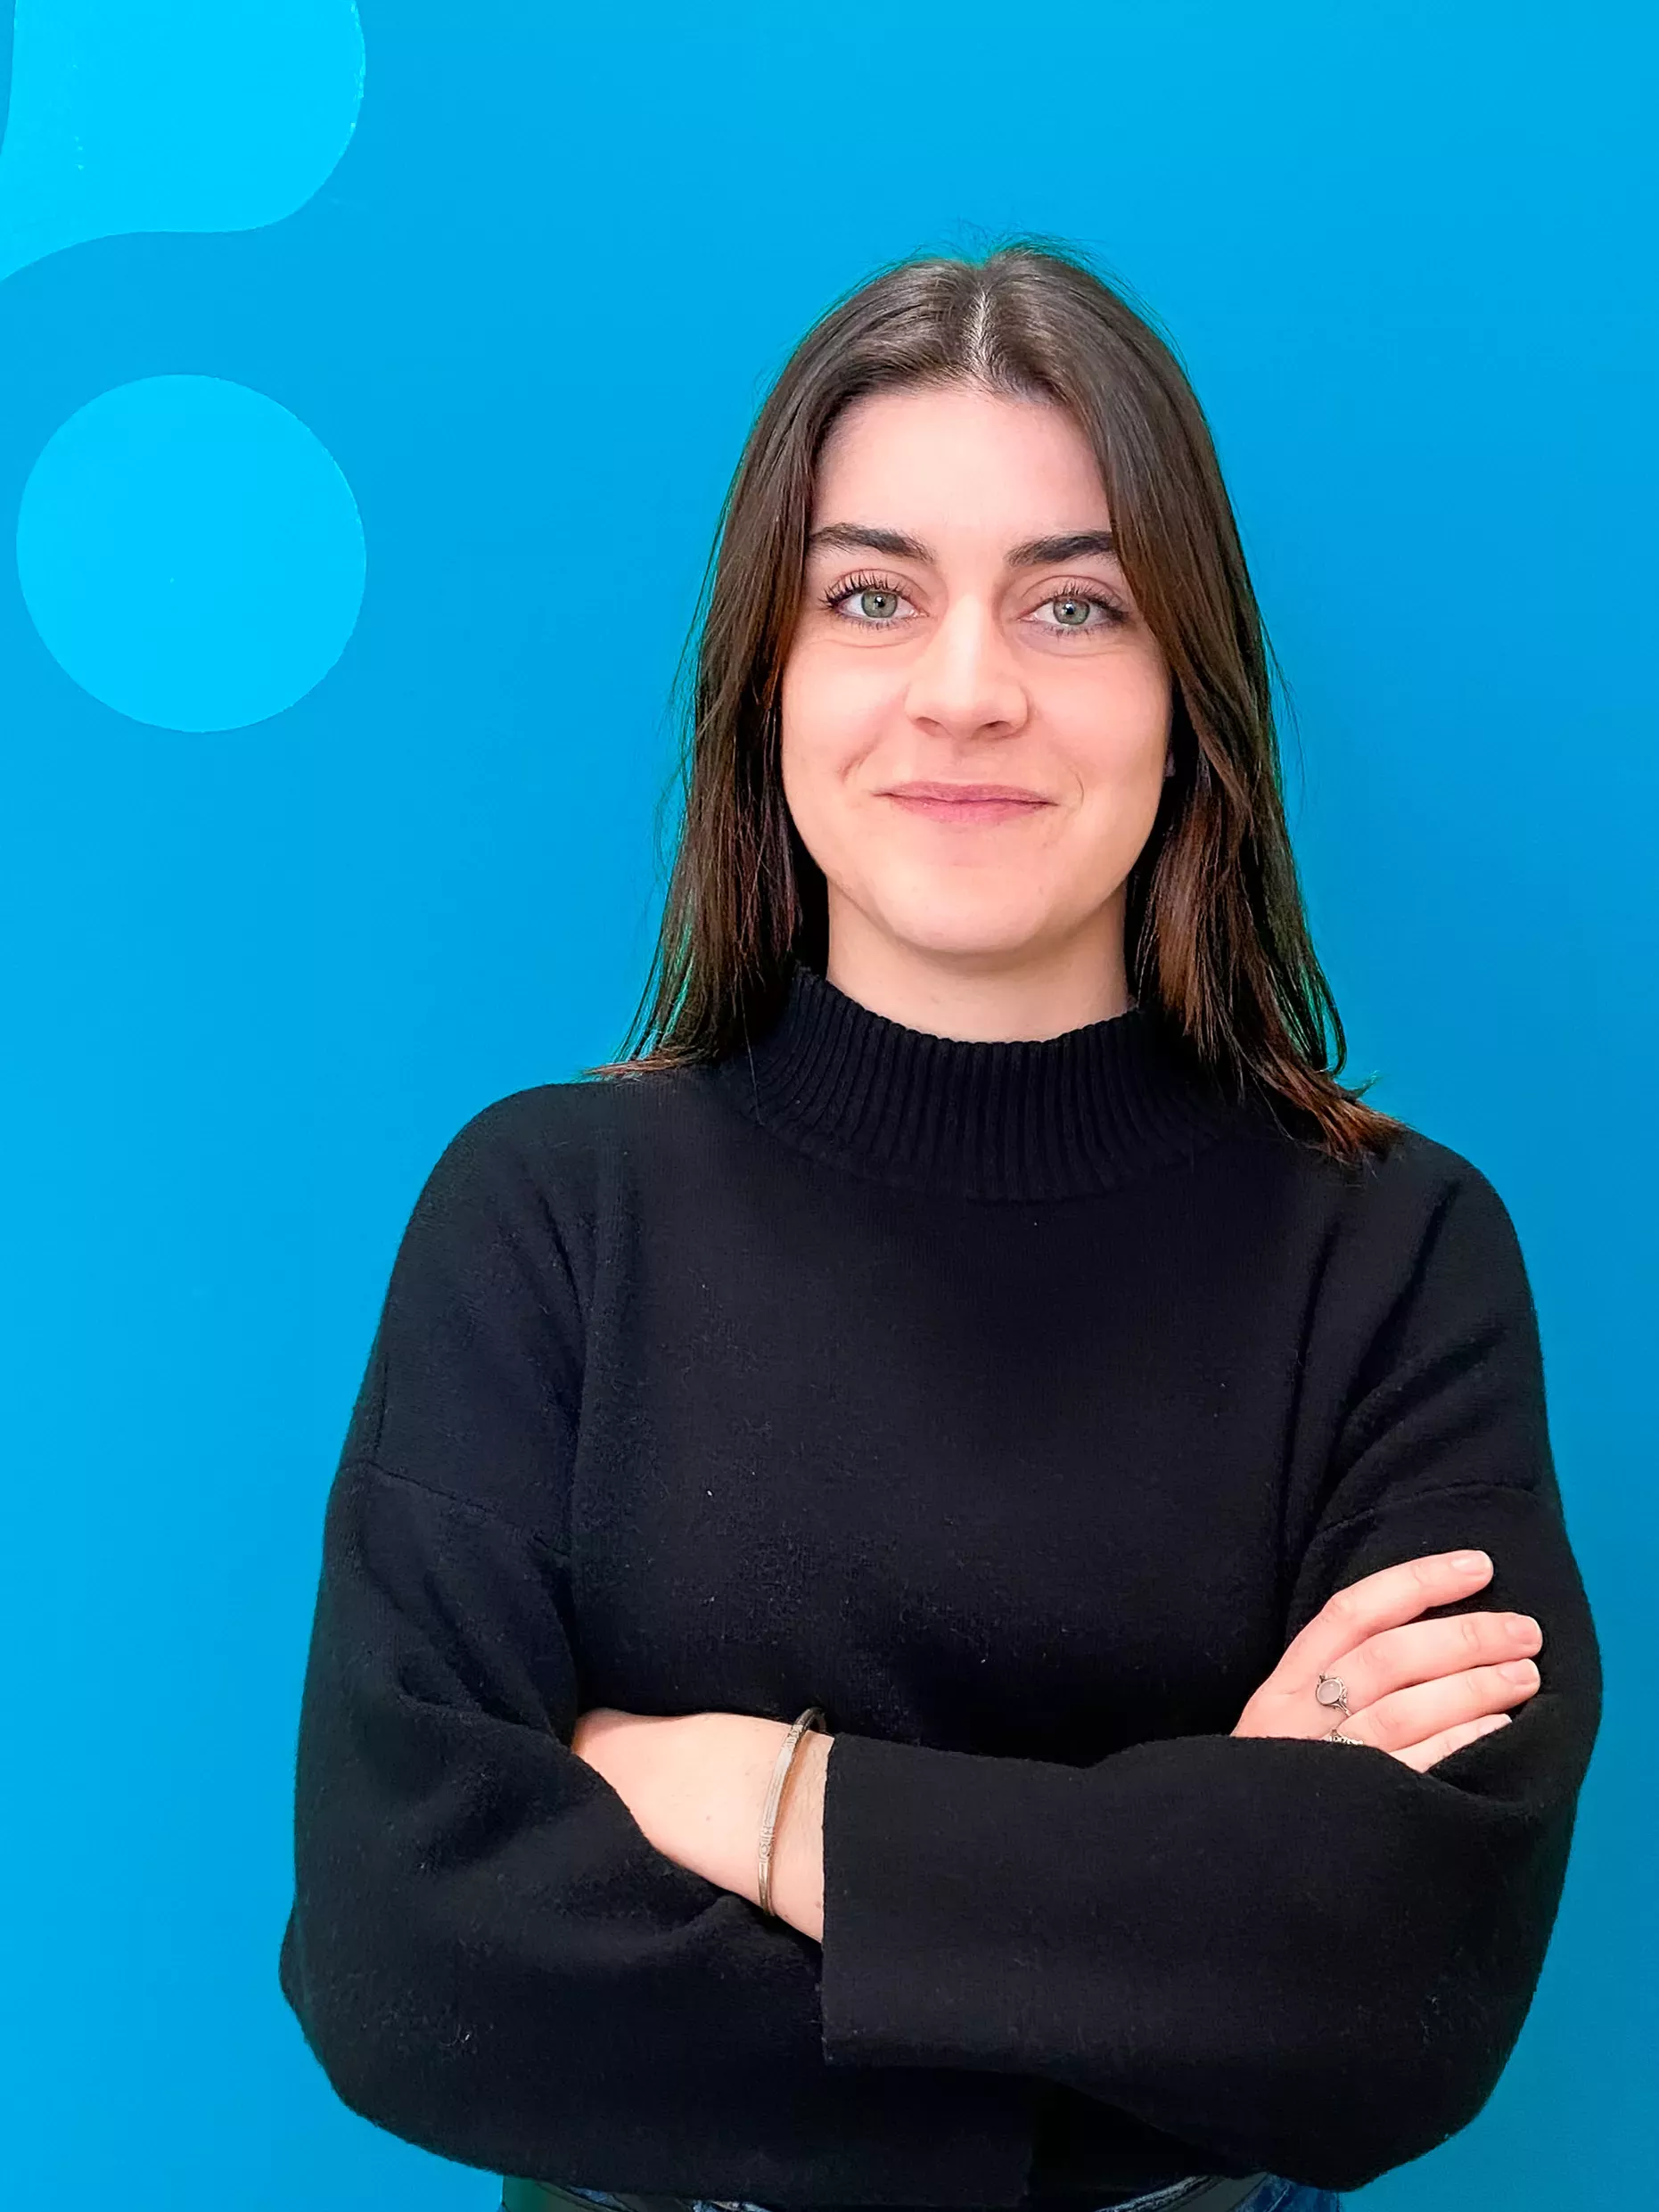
(972, 940)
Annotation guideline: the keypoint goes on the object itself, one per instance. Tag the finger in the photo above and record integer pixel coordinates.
(1388, 1598)
(1412, 1716)
(1424, 1756)
(1427, 1651)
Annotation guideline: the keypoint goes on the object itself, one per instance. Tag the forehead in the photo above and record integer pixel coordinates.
(958, 461)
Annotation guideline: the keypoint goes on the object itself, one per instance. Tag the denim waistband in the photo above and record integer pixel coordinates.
(1198, 2192)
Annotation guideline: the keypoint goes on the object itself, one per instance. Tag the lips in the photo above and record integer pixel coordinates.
(966, 813)
(966, 794)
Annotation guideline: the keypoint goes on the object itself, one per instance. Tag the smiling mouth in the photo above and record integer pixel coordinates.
(966, 813)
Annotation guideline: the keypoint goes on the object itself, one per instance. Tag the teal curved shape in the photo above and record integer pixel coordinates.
(171, 115)
(190, 553)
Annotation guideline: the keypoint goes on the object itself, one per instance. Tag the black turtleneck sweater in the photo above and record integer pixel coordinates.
(1016, 1402)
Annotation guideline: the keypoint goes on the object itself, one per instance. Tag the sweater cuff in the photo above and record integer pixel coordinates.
(916, 1840)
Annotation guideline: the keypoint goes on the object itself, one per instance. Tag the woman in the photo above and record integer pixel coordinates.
(936, 1590)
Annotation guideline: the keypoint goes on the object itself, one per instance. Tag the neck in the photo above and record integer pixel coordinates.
(994, 996)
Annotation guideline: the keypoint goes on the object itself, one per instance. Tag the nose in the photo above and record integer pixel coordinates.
(967, 679)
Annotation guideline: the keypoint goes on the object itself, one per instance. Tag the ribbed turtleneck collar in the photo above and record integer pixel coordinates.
(1022, 1118)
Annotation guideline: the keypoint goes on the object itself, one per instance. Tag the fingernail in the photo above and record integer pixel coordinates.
(1518, 1671)
(1498, 1720)
(1468, 1562)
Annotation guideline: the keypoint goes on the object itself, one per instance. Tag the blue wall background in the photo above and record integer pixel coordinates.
(369, 392)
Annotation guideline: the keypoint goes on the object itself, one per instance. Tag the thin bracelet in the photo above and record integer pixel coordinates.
(810, 1718)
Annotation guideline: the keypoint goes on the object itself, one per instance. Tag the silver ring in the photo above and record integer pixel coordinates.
(1335, 1736)
(1329, 1692)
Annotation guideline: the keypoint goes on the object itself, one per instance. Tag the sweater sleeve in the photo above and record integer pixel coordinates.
(485, 1955)
(1305, 1957)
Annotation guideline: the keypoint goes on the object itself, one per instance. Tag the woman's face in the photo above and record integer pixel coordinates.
(968, 644)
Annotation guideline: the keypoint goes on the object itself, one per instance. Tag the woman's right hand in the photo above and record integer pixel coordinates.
(1417, 1689)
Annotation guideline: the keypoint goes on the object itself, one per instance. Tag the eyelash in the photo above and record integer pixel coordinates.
(832, 598)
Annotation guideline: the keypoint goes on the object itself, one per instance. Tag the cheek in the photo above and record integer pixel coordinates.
(830, 719)
(1142, 691)
(831, 697)
(1116, 728)
(820, 751)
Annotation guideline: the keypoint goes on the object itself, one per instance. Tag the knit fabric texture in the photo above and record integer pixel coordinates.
(1016, 1402)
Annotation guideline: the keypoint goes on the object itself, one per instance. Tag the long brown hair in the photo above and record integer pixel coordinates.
(1216, 940)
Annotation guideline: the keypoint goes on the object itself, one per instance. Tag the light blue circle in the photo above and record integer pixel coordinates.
(190, 553)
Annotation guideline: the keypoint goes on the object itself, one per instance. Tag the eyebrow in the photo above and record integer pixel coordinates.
(1035, 553)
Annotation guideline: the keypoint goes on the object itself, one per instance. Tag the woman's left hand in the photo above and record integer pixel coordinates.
(695, 1784)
